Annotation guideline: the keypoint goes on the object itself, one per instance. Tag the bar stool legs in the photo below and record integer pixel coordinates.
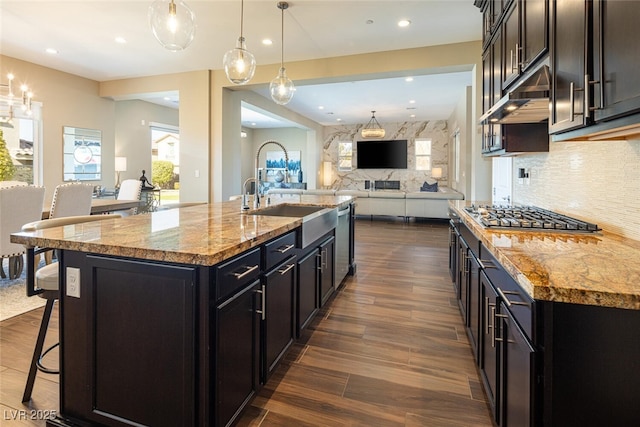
(36, 361)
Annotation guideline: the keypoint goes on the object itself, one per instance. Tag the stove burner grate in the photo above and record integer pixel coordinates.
(527, 217)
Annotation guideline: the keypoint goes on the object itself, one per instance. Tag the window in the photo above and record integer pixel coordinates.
(345, 152)
(423, 154)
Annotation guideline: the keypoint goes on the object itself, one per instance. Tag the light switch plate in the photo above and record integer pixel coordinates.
(73, 282)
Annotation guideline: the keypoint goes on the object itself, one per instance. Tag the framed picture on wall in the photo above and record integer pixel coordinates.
(275, 160)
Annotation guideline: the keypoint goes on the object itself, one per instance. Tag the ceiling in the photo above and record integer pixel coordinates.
(84, 33)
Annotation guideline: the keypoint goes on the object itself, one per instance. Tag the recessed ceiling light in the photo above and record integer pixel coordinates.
(121, 40)
(413, 116)
(51, 51)
(408, 79)
(267, 42)
(253, 123)
(404, 23)
(166, 98)
(412, 101)
(320, 107)
(339, 120)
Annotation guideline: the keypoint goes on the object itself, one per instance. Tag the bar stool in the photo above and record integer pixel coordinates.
(45, 283)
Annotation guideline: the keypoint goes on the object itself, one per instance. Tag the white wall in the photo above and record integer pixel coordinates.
(133, 138)
(67, 100)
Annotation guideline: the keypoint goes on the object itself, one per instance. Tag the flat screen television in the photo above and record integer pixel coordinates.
(382, 154)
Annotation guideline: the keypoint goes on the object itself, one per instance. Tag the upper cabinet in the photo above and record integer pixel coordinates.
(568, 64)
(616, 57)
(594, 60)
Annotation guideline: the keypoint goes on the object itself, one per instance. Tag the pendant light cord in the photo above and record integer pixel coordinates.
(242, 19)
(282, 37)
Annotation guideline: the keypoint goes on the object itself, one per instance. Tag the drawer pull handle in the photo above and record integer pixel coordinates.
(247, 271)
(263, 310)
(283, 249)
(506, 300)
(284, 271)
(486, 263)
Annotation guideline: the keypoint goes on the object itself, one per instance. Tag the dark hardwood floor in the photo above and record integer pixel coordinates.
(389, 349)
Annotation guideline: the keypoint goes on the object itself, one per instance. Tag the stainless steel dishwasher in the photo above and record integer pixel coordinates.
(342, 246)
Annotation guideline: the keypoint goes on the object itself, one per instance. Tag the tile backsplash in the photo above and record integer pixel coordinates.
(596, 181)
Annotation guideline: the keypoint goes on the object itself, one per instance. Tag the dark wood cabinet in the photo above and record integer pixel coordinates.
(278, 314)
(463, 267)
(488, 352)
(307, 295)
(114, 341)
(453, 252)
(327, 266)
(473, 317)
(534, 32)
(568, 59)
(511, 45)
(237, 364)
(616, 58)
(517, 362)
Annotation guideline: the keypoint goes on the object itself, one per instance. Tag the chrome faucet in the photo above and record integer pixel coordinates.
(245, 194)
(256, 197)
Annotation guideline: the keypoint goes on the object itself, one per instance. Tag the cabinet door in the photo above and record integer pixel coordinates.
(237, 343)
(568, 65)
(453, 252)
(130, 339)
(487, 96)
(616, 58)
(279, 315)
(511, 47)
(307, 295)
(464, 280)
(488, 351)
(535, 24)
(327, 265)
(474, 304)
(517, 373)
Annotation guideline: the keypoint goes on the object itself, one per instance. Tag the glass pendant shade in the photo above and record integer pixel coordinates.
(239, 64)
(282, 88)
(173, 23)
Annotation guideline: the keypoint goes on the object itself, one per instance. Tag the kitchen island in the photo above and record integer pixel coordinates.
(179, 316)
(554, 321)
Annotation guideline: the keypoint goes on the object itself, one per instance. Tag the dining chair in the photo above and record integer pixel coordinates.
(130, 189)
(45, 283)
(18, 204)
(70, 200)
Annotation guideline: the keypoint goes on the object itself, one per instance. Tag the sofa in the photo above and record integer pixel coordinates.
(417, 204)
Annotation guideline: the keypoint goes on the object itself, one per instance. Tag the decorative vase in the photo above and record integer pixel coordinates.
(300, 175)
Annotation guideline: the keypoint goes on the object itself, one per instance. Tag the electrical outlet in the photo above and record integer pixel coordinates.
(73, 282)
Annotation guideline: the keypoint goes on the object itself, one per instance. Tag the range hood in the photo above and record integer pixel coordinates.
(528, 102)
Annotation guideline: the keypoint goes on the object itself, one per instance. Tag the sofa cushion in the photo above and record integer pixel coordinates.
(432, 188)
(357, 193)
(383, 194)
(442, 193)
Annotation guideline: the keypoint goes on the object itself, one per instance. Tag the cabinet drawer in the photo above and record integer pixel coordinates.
(279, 249)
(235, 273)
(519, 303)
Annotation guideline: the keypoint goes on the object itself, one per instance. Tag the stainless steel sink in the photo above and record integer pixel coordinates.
(316, 220)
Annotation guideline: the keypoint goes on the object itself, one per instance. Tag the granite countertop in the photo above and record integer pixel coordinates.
(582, 268)
(201, 235)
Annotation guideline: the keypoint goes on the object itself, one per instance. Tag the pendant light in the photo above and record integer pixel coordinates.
(281, 87)
(173, 23)
(239, 63)
(373, 128)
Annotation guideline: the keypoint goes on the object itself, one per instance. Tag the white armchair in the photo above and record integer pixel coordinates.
(18, 204)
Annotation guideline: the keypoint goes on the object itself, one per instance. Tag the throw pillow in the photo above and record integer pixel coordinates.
(432, 188)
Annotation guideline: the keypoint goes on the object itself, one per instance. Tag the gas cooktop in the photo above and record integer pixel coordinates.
(527, 217)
